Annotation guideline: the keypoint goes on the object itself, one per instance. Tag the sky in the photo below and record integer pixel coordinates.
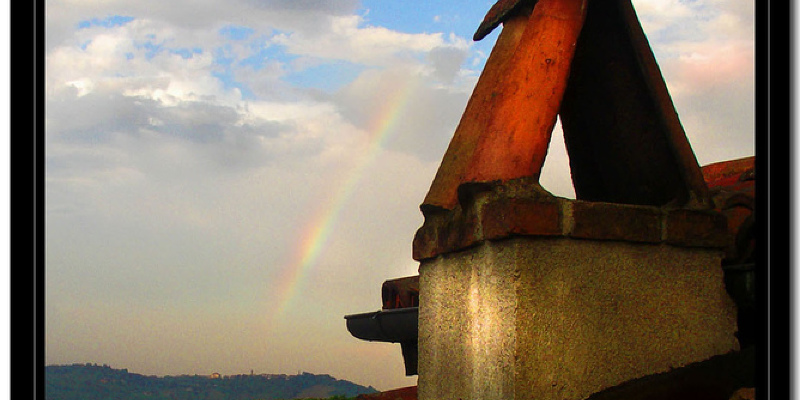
(226, 180)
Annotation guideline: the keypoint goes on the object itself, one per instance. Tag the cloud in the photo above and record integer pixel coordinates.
(704, 66)
(447, 62)
(345, 39)
(325, 7)
(194, 19)
(135, 125)
(706, 53)
(411, 112)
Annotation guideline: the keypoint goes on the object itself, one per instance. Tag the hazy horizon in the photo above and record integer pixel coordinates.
(225, 181)
(210, 374)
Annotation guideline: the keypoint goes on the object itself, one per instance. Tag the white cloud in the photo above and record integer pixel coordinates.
(345, 39)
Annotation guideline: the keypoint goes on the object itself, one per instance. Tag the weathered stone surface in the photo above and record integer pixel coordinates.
(558, 318)
(446, 231)
(488, 211)
(466, 349)
(521, 207)
(607, 221)
(696, 228)
(504, 217)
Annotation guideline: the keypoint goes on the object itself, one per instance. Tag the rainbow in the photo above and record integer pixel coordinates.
(314, 237)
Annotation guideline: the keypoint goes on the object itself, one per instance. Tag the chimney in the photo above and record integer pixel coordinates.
(526, 295)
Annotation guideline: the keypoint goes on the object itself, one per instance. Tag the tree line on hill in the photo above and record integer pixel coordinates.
(95, 382)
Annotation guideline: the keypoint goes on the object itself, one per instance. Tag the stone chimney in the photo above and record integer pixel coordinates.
(526, 295)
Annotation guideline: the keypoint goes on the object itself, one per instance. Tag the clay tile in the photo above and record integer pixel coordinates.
(498, 14)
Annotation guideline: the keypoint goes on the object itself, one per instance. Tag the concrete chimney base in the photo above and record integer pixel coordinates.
(559, 317)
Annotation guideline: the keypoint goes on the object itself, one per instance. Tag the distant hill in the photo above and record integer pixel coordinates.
(94, 382)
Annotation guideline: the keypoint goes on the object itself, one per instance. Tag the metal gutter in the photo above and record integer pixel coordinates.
(397, 325)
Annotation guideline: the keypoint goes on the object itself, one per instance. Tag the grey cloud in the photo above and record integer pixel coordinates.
(421, 127)
(446, 62)
(334, 7)
(213, 133)
(266, 83)
(200, 16)
(428, 123)
(194, 121)
(94, 117)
